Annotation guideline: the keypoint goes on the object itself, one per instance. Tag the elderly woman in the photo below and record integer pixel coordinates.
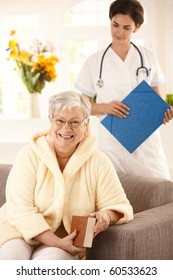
(58, 175)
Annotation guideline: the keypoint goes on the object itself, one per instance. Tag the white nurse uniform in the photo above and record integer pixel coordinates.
(119, 80)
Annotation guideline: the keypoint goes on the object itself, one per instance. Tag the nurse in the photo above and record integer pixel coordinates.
(111, 74)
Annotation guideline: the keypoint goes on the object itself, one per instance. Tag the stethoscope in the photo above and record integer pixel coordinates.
(100, 82)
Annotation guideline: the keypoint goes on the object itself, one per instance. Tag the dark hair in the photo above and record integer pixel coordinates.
(127, 7)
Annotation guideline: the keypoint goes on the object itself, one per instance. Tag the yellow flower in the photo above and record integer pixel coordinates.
(12, 44)
(36, 66)
(12, 32)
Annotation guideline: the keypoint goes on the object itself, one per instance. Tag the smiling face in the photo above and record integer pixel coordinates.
(122, 27)
(68, 128)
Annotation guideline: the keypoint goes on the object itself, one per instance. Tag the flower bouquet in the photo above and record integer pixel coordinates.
(35, 66)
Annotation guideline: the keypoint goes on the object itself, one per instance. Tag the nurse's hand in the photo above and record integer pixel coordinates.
(168, 115)
(116, 108)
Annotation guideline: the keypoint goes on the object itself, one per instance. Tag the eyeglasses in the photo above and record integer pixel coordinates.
(74, 123)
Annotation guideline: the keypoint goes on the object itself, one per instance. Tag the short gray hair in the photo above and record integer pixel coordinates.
(67, 100)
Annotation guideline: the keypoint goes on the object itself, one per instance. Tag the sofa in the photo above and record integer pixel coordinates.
(148, 237)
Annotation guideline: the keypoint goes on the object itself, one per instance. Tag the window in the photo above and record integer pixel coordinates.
(12, 93)
(77, 28)
(82, 28)
(88, 13)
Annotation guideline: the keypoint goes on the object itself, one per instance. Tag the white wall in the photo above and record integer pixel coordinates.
(157, 34)
(15, 134)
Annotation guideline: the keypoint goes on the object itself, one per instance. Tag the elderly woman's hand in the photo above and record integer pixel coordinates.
(168, 115)
(67, 244)
(103, 220)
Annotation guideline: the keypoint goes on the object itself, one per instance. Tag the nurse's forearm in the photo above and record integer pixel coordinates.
(96, 109)
(99, 109)
(157, 90)
(114, 107)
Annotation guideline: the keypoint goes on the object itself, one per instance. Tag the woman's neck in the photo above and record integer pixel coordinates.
(62, 155)
(121, 49)
(62, 162)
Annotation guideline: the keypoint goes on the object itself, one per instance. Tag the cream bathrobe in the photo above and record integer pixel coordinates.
(39, 196)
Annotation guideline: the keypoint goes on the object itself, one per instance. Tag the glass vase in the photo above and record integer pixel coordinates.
(34, 105)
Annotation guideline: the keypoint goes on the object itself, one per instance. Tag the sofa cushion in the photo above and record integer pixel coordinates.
(146, 192)
(147, 237)
(4, 171)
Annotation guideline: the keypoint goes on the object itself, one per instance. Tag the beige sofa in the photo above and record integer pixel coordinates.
(149, 236)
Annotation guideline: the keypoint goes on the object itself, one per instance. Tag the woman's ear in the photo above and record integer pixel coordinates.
(136, 28)
(87, 122)
(50, 119)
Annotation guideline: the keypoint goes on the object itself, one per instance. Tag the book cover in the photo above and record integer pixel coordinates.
(147, 110)
(85, 230)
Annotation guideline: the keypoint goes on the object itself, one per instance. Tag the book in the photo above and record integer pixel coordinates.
(146, 114)
(85, 230)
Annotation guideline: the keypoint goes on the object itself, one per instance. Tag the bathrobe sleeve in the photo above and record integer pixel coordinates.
(22, 213)
(110, 193)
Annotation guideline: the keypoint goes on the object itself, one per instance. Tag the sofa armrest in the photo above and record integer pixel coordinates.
(148, 237)
(4, 171)
(146, 192)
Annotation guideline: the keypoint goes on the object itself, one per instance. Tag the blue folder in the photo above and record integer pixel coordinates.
(147, 110)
